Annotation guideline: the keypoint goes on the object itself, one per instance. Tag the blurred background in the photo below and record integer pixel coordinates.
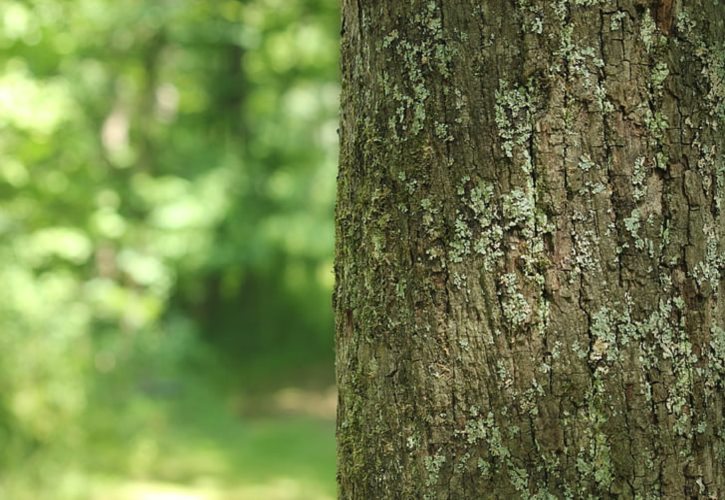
(167, 176)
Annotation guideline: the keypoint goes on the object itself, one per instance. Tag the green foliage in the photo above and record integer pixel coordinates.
(167, 181)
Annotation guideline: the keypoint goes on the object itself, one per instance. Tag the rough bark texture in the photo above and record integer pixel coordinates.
(530, 290)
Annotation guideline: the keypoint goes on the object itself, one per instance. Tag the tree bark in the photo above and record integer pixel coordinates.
(530, 296)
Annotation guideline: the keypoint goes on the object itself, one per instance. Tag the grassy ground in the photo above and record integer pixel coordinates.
(280, 447)
(275, 458)
(197, 445)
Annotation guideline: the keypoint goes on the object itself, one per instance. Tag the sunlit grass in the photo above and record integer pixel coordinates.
(207, 451)
(278, 489)
(198, 446)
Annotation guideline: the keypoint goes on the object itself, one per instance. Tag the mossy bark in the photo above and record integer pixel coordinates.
(530, 258)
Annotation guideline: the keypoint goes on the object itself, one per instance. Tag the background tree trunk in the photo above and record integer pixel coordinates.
(530, 222)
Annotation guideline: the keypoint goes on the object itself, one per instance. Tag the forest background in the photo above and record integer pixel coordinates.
(167, 179)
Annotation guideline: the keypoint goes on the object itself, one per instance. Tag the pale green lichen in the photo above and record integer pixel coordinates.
(709, 271)
(489, 241)
(462, 464)
(418, 59)
(533, 21)
(584, 243)
(656, 122)
(685, 24)
(586, 163)
(441, 131)
(717, 353)
(604, 339)
(390, 38)
(461, 243)
(484, 467)
(583, 65)
(639, 175)
(713, 66)
(410, 183)
(648, 31)
(596, 461)
(658, 76)
(429, 214)
(656, 336)
(475, 431)
(412, 442)
(513, 116)
(616, 21)
(518, 211)
(516, 309)
(632, 224)
(578, 350)
(475, 227)
(433, 466)
(504, 375)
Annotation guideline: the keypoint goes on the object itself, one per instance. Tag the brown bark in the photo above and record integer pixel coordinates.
(530, 293)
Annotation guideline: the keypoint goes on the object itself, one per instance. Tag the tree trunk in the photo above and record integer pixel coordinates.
(530, 293)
